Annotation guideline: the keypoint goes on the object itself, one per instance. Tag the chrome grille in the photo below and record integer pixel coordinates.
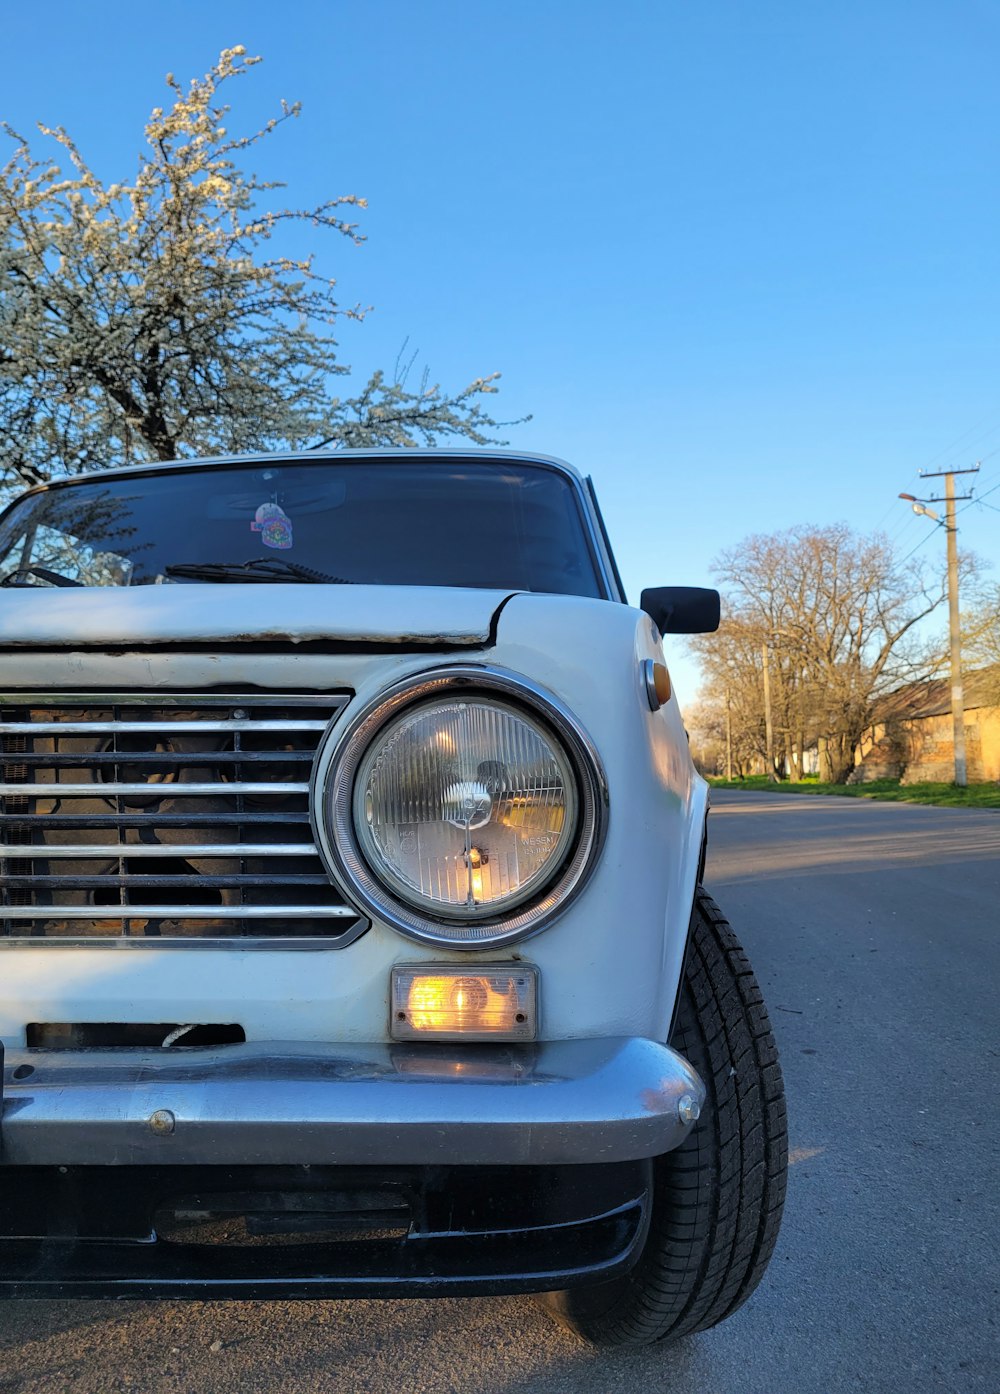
(156, 818)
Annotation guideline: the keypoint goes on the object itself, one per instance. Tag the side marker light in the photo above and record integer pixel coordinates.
(657, 683)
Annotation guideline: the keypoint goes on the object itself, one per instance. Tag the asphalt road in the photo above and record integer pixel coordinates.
(875, 930)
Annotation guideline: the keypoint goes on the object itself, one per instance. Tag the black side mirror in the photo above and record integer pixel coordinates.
(682, 609)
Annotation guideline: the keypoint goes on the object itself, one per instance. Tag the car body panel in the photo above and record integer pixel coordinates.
(609, 966)
(278, 613)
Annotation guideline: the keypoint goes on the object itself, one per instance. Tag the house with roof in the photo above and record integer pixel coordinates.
(912, 737)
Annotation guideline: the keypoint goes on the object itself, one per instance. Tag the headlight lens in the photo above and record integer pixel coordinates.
(466, 807)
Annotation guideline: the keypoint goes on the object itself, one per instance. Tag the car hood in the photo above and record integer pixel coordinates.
(238, 613)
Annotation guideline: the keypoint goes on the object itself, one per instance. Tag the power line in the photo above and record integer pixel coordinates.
(926, 538)
(928, 535)
(912, 480)
(903, 528)
(980, 497)
(962, 437)
(954, 444)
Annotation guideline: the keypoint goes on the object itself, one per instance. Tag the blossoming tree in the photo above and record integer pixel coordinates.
(155, 317)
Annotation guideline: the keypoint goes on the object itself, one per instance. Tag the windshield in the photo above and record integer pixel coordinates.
(495, 524)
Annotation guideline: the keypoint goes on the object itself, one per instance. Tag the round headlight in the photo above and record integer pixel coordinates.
(459, 815)
(465, 807)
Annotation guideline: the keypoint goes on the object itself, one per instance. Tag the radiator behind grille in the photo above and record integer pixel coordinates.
(155, 818)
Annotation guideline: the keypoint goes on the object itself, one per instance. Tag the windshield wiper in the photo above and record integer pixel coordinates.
(257, 569)
(54, 578)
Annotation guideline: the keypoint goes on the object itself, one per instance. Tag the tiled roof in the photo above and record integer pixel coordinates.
(933, 698)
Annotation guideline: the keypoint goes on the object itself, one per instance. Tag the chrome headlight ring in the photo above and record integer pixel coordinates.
(343, 752)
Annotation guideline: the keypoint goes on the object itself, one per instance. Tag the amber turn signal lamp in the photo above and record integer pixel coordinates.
(657, 681)
(438, 1003)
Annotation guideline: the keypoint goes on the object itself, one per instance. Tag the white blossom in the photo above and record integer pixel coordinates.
(149, 318)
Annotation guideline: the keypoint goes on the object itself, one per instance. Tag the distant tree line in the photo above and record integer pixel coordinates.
(833, 615)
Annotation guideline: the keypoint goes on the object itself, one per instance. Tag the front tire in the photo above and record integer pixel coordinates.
(718, 1198)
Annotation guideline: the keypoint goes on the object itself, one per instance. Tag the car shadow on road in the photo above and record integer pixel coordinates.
(492, 1345)
(42, 1320)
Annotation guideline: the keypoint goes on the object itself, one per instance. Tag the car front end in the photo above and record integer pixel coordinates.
(341, 936)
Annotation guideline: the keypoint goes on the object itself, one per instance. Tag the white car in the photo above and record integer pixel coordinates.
(352, 936)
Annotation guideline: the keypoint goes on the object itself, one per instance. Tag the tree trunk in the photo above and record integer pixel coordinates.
(825, 761)
(840, 766)
(843, 760)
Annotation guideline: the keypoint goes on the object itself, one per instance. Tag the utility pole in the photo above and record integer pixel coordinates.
(954, 617)
(768, 731)
(729, 738)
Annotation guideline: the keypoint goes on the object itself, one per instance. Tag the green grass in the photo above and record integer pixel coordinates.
(890, 790)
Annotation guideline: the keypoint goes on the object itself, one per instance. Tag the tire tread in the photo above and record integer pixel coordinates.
(718, 1198)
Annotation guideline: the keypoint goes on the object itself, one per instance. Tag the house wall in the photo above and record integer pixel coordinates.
(882, 754)
(922, 748)
(989, 741)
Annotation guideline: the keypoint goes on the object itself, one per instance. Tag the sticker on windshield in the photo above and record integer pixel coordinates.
(274, 526)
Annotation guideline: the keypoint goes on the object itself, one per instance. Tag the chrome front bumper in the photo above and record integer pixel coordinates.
(600, 1100)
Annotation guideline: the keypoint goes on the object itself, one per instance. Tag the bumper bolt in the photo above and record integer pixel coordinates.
(688, 1109)
(162, 1122)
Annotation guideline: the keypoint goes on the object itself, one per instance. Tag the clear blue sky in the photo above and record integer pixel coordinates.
(739, 261)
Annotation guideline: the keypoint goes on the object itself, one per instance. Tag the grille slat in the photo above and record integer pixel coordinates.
(198, 805)
(67, 851)
(149, 820)
(108, 789)
(205, 882)
(171, 912)
(188, 758)
(89, 728)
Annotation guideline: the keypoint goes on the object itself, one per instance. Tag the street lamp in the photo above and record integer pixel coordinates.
(921, 510)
